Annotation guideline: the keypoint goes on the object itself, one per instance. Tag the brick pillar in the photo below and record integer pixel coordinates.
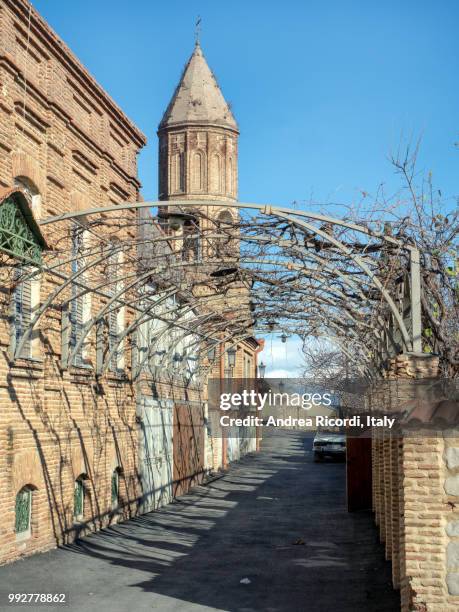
(395, 446)
(387, 494)
(381, 489)
(417, 493)
(377, 476)
(422, 564)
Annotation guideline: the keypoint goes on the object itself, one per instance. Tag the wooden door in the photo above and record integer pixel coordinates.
(358, 474)
(188, 447)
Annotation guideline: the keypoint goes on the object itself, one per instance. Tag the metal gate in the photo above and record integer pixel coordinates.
(155, 453)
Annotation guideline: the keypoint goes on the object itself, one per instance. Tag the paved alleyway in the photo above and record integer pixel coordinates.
(192, 555)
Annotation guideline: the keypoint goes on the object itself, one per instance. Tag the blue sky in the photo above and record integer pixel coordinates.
(322, 91)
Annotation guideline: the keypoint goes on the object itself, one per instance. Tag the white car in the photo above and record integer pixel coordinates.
(329, 444)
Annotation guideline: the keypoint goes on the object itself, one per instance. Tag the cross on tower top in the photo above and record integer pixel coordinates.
(197, 30)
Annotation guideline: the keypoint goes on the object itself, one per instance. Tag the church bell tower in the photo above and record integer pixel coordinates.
(198, 139)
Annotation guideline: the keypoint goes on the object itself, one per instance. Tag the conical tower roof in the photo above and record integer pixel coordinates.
(198, 99)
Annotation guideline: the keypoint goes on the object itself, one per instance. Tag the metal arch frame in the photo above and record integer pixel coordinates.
(294, 216)
(323, 262)
(264, 239)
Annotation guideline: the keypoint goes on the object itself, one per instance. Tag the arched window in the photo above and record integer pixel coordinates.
(23, 512)
(31, 192)
(79, 497)
(225, 218)
(26, 294)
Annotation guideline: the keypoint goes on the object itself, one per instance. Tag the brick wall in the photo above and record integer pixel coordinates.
(60, 132)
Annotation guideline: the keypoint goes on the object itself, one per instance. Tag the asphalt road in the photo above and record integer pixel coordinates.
(272, 535)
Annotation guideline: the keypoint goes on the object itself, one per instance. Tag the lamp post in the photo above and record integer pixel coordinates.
(231, 358)
(261, 370)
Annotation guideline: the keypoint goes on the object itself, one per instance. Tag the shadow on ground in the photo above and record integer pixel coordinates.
(276, 521)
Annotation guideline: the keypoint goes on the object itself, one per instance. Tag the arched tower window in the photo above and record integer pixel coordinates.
(216, 173)
(177, 173)
(230, 177)
(197, 171)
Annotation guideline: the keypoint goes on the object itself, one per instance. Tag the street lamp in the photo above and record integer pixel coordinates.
(211, 353)
(261, 370)
(231, 357)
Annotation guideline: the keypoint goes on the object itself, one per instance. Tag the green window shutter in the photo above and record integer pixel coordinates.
(23, 509)
(115, 487)
(78, 499)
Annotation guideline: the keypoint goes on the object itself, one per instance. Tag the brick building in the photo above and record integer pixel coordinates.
(68, 454)
(74, 445)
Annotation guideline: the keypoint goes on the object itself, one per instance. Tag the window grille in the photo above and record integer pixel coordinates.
(23, 510)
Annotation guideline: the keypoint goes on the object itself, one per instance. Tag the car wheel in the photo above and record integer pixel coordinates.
(317, 458)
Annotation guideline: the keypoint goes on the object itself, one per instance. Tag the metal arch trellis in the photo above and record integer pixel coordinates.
(109, 305)
(412, 340)
(411, 337)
